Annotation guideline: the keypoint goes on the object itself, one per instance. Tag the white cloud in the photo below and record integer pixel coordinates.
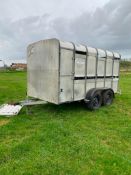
(16, 9)
(98, 23)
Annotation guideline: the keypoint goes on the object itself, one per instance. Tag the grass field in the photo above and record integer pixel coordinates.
(66, 139)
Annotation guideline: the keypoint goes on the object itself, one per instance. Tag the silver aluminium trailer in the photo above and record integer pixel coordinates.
(60, 72)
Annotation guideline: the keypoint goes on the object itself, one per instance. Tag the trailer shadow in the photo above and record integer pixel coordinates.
(73, 106)
(65, 109)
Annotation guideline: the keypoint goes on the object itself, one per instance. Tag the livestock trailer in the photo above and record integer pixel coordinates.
(60, 72)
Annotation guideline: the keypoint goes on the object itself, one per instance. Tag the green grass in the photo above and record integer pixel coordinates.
(66, 139)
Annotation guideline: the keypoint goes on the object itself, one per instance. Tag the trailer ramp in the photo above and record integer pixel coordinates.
(10, 110)
(14, 109)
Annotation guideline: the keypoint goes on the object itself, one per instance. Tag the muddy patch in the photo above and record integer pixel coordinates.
(3, 122)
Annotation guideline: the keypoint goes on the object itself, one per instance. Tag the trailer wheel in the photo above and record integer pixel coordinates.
(107, 97)
(95, 101)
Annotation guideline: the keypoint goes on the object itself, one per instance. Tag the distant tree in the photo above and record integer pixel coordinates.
(125, 65)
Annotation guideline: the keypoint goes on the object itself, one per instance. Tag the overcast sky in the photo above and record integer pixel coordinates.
(104, 24)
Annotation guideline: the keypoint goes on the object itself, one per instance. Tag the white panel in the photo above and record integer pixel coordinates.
(101, 67)
(108, 83)
(66, 88)
(79, 89)
(90, 84)
(42, 70)
(116, 55)
(80, 65)
(92, 51)
(101, 53)
(109, 64)
(67, 45)
(109, 54)
(66, 62)
(116, 68)
(100, 83)
(91, 66)
(80, 47)
(115, 84)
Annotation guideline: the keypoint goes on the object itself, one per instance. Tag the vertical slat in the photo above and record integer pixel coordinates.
(119, 75)
(86, 62)
(105, 69)
(112, 71)
(96, 68)
(73, 69)
(59, 73)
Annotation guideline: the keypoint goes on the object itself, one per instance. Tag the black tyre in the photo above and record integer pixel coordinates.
(95, 101)
(107, 97)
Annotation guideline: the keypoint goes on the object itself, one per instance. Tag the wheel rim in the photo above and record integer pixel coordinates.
(108, 99)
(96, 102)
